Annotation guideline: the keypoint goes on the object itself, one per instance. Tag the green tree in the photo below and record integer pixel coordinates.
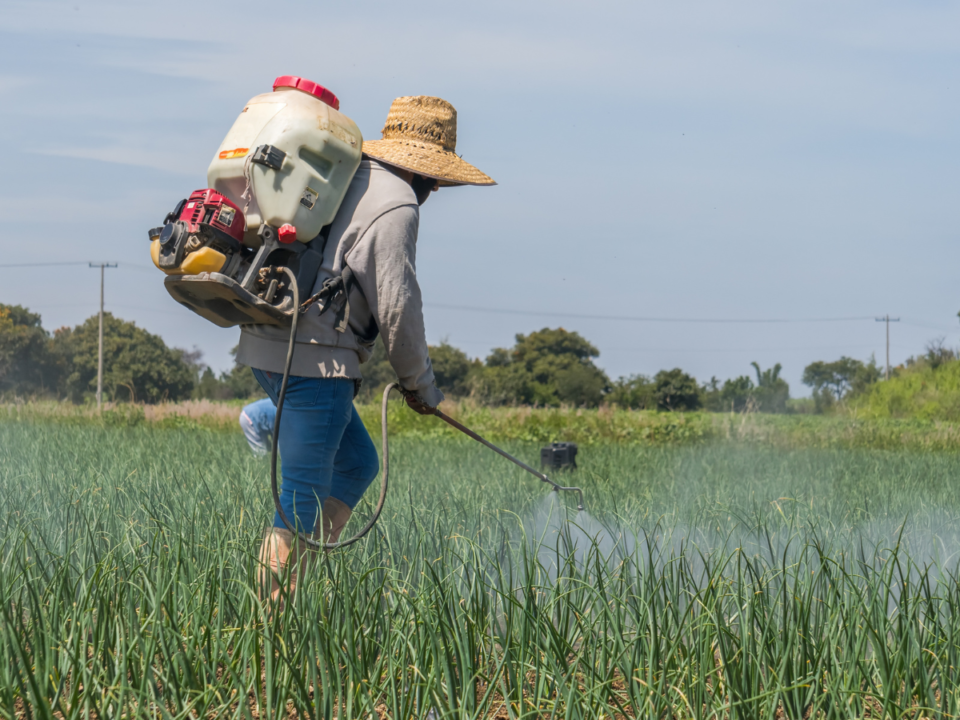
(772, 391)
(206, 385)
(832, 382)
(238, 381)
(937, 353)
(736, 394)
(377, 373)
(27, 365)
(137, 365)
(508, 384)
(675, 390)
(635, 392)
(561, 365)
(451, 367)
(546, 367)
(211, 387)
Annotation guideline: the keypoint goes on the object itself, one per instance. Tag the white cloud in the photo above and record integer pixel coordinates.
(122, 154)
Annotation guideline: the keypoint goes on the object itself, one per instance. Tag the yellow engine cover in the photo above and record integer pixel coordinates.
(205, 259)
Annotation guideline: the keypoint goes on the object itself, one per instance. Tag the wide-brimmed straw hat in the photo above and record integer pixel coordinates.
(420, 135)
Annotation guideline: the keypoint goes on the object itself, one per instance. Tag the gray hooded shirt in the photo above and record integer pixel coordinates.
(375, 233)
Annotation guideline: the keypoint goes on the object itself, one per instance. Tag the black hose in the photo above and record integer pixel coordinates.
(276, 434)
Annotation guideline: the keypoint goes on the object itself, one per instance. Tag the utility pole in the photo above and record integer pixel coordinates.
(102, 267)
(887, 319)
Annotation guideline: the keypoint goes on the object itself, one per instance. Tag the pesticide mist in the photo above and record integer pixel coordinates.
(706, 582)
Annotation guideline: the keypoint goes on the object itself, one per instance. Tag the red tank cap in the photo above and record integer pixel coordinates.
(307, 86)
(287, 234)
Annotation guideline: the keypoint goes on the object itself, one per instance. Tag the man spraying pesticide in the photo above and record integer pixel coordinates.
(295, 207)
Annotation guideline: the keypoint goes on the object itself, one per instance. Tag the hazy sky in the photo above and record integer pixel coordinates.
(690, 160)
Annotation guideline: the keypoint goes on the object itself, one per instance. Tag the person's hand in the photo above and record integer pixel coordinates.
(417, 404)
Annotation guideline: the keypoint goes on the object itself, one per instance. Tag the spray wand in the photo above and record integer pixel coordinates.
(470, 433)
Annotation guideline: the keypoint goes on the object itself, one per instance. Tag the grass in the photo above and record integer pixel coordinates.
(851, 430)
(710, 580)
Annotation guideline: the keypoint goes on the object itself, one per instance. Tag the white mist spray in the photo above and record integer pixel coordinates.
(556, 538)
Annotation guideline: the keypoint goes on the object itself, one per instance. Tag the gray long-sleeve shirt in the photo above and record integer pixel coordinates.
(375, 233)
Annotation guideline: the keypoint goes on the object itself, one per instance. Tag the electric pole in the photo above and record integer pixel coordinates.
(102, 267)
(887, 319)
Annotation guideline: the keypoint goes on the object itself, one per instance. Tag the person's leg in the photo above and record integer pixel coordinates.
(316, 412)
(266, 414)
(256, 428)
(354, 468)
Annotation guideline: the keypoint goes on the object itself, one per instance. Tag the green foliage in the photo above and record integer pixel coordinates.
(377, 373)
(770, 394)
(832, 382)
(137, 365)
(241, 383)
(210, 387)
(924, 390)
(772, 391)
(547, 367)
(548, 424)
(800, 429)
(735, 395)
(451, 366)
(635, 392)
(501, 384)
(27, 365)
(936, 355)
(675, 390)
(238, 382)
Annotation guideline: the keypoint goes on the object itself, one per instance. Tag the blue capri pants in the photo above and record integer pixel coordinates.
(325, 451)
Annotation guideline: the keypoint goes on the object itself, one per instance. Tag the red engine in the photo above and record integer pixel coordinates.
(209, 269)
(205, 219)
(210, 207)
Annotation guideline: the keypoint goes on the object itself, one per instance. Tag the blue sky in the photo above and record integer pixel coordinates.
(738, 160)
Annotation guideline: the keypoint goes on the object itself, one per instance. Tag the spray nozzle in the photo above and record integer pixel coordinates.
(558, 488)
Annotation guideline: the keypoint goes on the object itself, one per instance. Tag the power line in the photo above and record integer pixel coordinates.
(78, 262)
(547, 313)
(627, 318)
(42, 264)
(939, 328)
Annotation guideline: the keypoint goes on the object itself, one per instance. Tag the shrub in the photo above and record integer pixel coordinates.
(675, 390)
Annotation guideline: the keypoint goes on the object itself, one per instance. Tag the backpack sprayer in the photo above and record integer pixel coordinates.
(238, 252)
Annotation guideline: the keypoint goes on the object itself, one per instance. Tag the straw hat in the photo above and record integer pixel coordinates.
(420, 135)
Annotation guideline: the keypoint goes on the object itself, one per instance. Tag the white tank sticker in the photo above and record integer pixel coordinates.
(309, 198)
(245, 130)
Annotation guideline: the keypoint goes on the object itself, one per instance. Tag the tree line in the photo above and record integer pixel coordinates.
(548, 367)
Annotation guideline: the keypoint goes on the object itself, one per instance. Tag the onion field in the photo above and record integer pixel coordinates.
(719, 580)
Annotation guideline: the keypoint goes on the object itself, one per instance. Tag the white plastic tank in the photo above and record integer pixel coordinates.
(321, 152)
